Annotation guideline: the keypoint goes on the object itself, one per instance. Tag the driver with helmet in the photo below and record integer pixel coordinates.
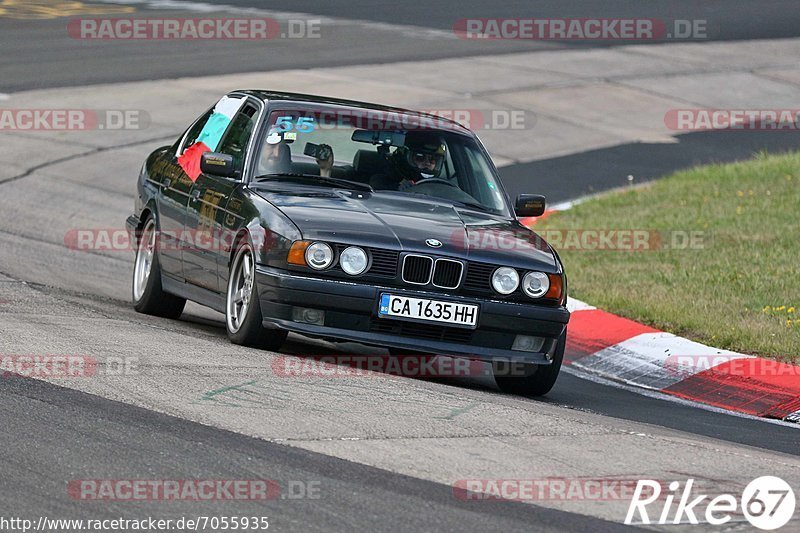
(422, 157)
(276, 156)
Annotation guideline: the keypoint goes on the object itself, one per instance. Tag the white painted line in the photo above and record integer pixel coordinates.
(577, 305)
(564, 206)
(655, 360)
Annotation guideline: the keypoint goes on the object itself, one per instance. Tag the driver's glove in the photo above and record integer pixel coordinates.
(405, 185)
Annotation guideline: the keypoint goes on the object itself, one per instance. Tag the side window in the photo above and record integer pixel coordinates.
(238, 135)
(449, 168)
(194, 131)
(477, 172)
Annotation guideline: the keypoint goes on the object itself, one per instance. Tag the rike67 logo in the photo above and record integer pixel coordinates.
(768, 503)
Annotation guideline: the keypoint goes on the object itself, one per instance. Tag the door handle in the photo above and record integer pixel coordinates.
(196, 194)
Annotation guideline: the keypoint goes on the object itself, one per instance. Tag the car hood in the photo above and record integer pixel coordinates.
(403, 222)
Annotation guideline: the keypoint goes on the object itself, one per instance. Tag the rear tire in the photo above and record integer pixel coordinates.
(537, 380)
(146, 292)
(243, 318)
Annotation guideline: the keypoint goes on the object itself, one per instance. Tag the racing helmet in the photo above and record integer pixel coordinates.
(423, 156)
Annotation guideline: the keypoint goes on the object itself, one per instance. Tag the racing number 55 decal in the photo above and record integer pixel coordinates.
(302, 124)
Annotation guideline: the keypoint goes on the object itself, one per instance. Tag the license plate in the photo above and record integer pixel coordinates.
(404, 307)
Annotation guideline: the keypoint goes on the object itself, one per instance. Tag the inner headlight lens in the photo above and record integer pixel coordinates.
(535, 284)
(353, 260)
(505, 280)
(319, 255)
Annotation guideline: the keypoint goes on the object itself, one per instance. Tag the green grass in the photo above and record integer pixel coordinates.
(739, 291)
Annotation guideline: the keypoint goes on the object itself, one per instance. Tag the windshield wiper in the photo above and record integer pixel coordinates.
(477, 207)
(322, 179)
(457, 203)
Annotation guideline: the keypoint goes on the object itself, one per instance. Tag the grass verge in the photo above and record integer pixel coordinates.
(724, 268)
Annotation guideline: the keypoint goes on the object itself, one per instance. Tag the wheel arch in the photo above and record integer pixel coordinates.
(147, 211)
(241, 235)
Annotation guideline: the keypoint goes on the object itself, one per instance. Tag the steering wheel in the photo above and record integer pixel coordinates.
(437, 180)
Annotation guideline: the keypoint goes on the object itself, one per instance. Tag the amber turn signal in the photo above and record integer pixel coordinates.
(556, 286)
(297, 253)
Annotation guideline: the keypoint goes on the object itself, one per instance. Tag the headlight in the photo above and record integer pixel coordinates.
(319, 256)
(353, 260)
(505, 280)
(535, 284)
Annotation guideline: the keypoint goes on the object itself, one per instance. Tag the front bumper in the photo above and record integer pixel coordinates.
(351, 313)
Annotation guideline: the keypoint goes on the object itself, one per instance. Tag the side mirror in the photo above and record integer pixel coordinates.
(217, 164)
(529, 205)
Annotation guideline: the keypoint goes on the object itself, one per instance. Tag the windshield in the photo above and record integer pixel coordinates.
(401, 154)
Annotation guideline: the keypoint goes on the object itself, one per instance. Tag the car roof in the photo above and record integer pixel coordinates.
(267, 95)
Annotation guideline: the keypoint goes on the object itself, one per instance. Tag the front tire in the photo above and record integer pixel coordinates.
(147, 294)
(243, 318)
(537, 380)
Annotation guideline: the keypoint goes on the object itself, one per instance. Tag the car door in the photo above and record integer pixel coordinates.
(207, 217)
(172, 202)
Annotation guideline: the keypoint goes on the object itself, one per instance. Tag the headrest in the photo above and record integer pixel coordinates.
(369, 162)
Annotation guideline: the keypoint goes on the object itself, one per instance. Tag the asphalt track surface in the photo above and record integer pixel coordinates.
(79, 432)
(585, 173)
(62, 60)
(52, 433)
(738, 19)
(41, 53)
